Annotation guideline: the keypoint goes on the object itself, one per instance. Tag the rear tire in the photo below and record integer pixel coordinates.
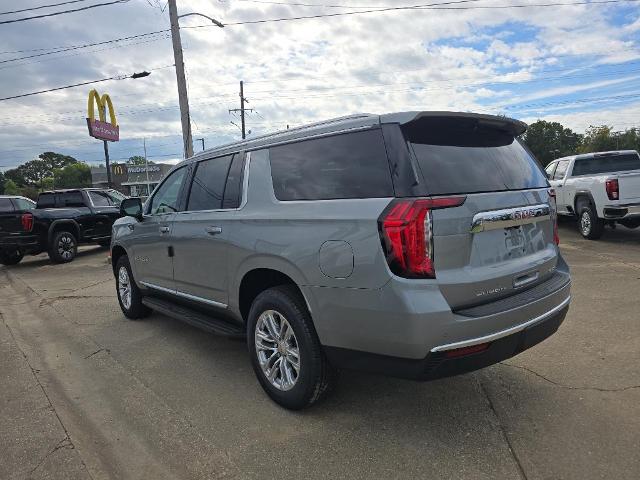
(129, 295)
(63, 247)
(11, 257)
(591, 227)
(285, 352)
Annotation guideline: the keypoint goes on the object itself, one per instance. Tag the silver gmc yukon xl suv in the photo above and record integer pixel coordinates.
(418, 245)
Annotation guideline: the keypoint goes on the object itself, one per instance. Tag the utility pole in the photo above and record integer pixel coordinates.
(146, 162)
(182, 83)
(242, 110)
(106, 152)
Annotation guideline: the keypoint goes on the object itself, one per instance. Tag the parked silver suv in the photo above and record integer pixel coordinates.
(418, 244)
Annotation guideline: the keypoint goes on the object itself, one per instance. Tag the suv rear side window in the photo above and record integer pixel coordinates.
(351, 165)
(6, 205)
(207, 189)
(606, 164)
(461, 156)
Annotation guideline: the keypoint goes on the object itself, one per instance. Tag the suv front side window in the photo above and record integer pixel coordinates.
(561, 170)
(167, 197)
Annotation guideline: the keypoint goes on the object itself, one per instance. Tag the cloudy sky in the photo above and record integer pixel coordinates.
(577, 64)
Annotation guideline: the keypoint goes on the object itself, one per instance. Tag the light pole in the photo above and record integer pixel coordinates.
(183, 98)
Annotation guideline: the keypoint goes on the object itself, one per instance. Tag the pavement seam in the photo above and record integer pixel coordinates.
(505, 436)
(51, 406)
(569, 387)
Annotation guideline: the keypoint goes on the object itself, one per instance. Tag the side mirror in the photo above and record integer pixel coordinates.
(131, 207)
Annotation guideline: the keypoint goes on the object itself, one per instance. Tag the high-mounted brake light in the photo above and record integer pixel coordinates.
(406, 232)
(554, 216)
(613, 189)
(27, 222)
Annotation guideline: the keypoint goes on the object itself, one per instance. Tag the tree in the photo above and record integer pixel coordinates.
(56, 160)
(75, 175)
(15, 175)
(598, 139)
(10, 188)
(137, 160)
(2, 181)
(551, 140)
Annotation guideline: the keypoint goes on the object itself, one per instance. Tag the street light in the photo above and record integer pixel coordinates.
(183, 98)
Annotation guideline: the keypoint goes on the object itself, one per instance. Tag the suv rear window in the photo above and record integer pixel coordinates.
(350, 165)
(462, 156)
(606, 164)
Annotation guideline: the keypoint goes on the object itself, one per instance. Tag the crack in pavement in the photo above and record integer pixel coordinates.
(98, 351)
(64, 443)
(35, 372)
(569, 387)
(49, 301)
(507, 440)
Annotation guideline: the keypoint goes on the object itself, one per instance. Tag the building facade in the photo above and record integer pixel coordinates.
(132, 180)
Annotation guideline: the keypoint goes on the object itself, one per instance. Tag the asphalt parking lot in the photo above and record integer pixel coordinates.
(88, 394)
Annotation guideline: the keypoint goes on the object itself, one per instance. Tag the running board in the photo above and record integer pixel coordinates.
(195, 318)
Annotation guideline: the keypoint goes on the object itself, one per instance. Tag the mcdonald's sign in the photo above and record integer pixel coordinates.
(119, 169)
(101, 128)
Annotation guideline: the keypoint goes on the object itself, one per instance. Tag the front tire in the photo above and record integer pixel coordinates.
(11, 257)
(63, 247)
(591, 227)
(285, 351)
(129, 296)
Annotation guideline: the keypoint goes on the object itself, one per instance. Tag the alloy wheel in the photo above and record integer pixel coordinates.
(124, 287)
(585, 223)
(66, 245)
(277, 350)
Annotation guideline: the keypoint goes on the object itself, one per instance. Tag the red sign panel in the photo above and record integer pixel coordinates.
(103, 130)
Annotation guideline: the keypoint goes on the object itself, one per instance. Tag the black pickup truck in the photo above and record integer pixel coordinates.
(60, 221)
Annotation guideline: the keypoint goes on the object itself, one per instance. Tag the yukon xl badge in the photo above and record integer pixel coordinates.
(491, 291)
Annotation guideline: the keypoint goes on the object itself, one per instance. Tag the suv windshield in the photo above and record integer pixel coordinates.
(461, 156)
(606, 164)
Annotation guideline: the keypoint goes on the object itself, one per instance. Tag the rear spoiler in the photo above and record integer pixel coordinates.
(510, 125)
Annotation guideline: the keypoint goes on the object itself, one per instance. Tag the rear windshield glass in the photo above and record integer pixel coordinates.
(461, 156)
(606, 164)
(46, 200)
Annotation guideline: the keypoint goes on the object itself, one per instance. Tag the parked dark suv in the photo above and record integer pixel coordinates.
(420, 244)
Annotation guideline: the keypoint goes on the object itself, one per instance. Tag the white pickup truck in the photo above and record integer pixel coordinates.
(601, 188)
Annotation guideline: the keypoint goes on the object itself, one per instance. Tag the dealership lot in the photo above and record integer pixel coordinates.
(89, 394)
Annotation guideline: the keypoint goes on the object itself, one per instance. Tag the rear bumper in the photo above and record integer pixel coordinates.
(26, 242)
(615, 212)
(502, 345)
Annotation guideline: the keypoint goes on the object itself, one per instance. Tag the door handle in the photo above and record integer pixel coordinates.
(213, 230)
(164, 229)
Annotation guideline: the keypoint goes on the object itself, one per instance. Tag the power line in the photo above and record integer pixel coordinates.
(116, 77)
(429, 6)
(24, 19)
(43, 6)
(86, 45)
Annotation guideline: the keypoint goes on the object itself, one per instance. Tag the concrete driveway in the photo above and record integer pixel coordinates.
(88, 394)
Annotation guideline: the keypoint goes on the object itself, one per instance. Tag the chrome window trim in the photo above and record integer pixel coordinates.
(316, 136)
(509, 217)
(502, 333)
(185, 295)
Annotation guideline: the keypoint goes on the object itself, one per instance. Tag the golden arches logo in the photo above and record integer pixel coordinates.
(107, 131)
(103, 103)
(118, 169)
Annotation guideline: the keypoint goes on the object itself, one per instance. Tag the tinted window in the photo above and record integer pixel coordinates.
(561, 170)
(23, 204)
(606, 164)
(46, 200)
(352, 165)
(166, 198)
(6, 205)
(100, 199)
(233, 190)
(116, 197)
(463, 156)
(70, 199)
(207, 189)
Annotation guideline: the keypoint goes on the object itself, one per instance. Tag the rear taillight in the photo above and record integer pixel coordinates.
(613, 189)
(27, 222)
(554, 216)
(464, 351)
(406, 232)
